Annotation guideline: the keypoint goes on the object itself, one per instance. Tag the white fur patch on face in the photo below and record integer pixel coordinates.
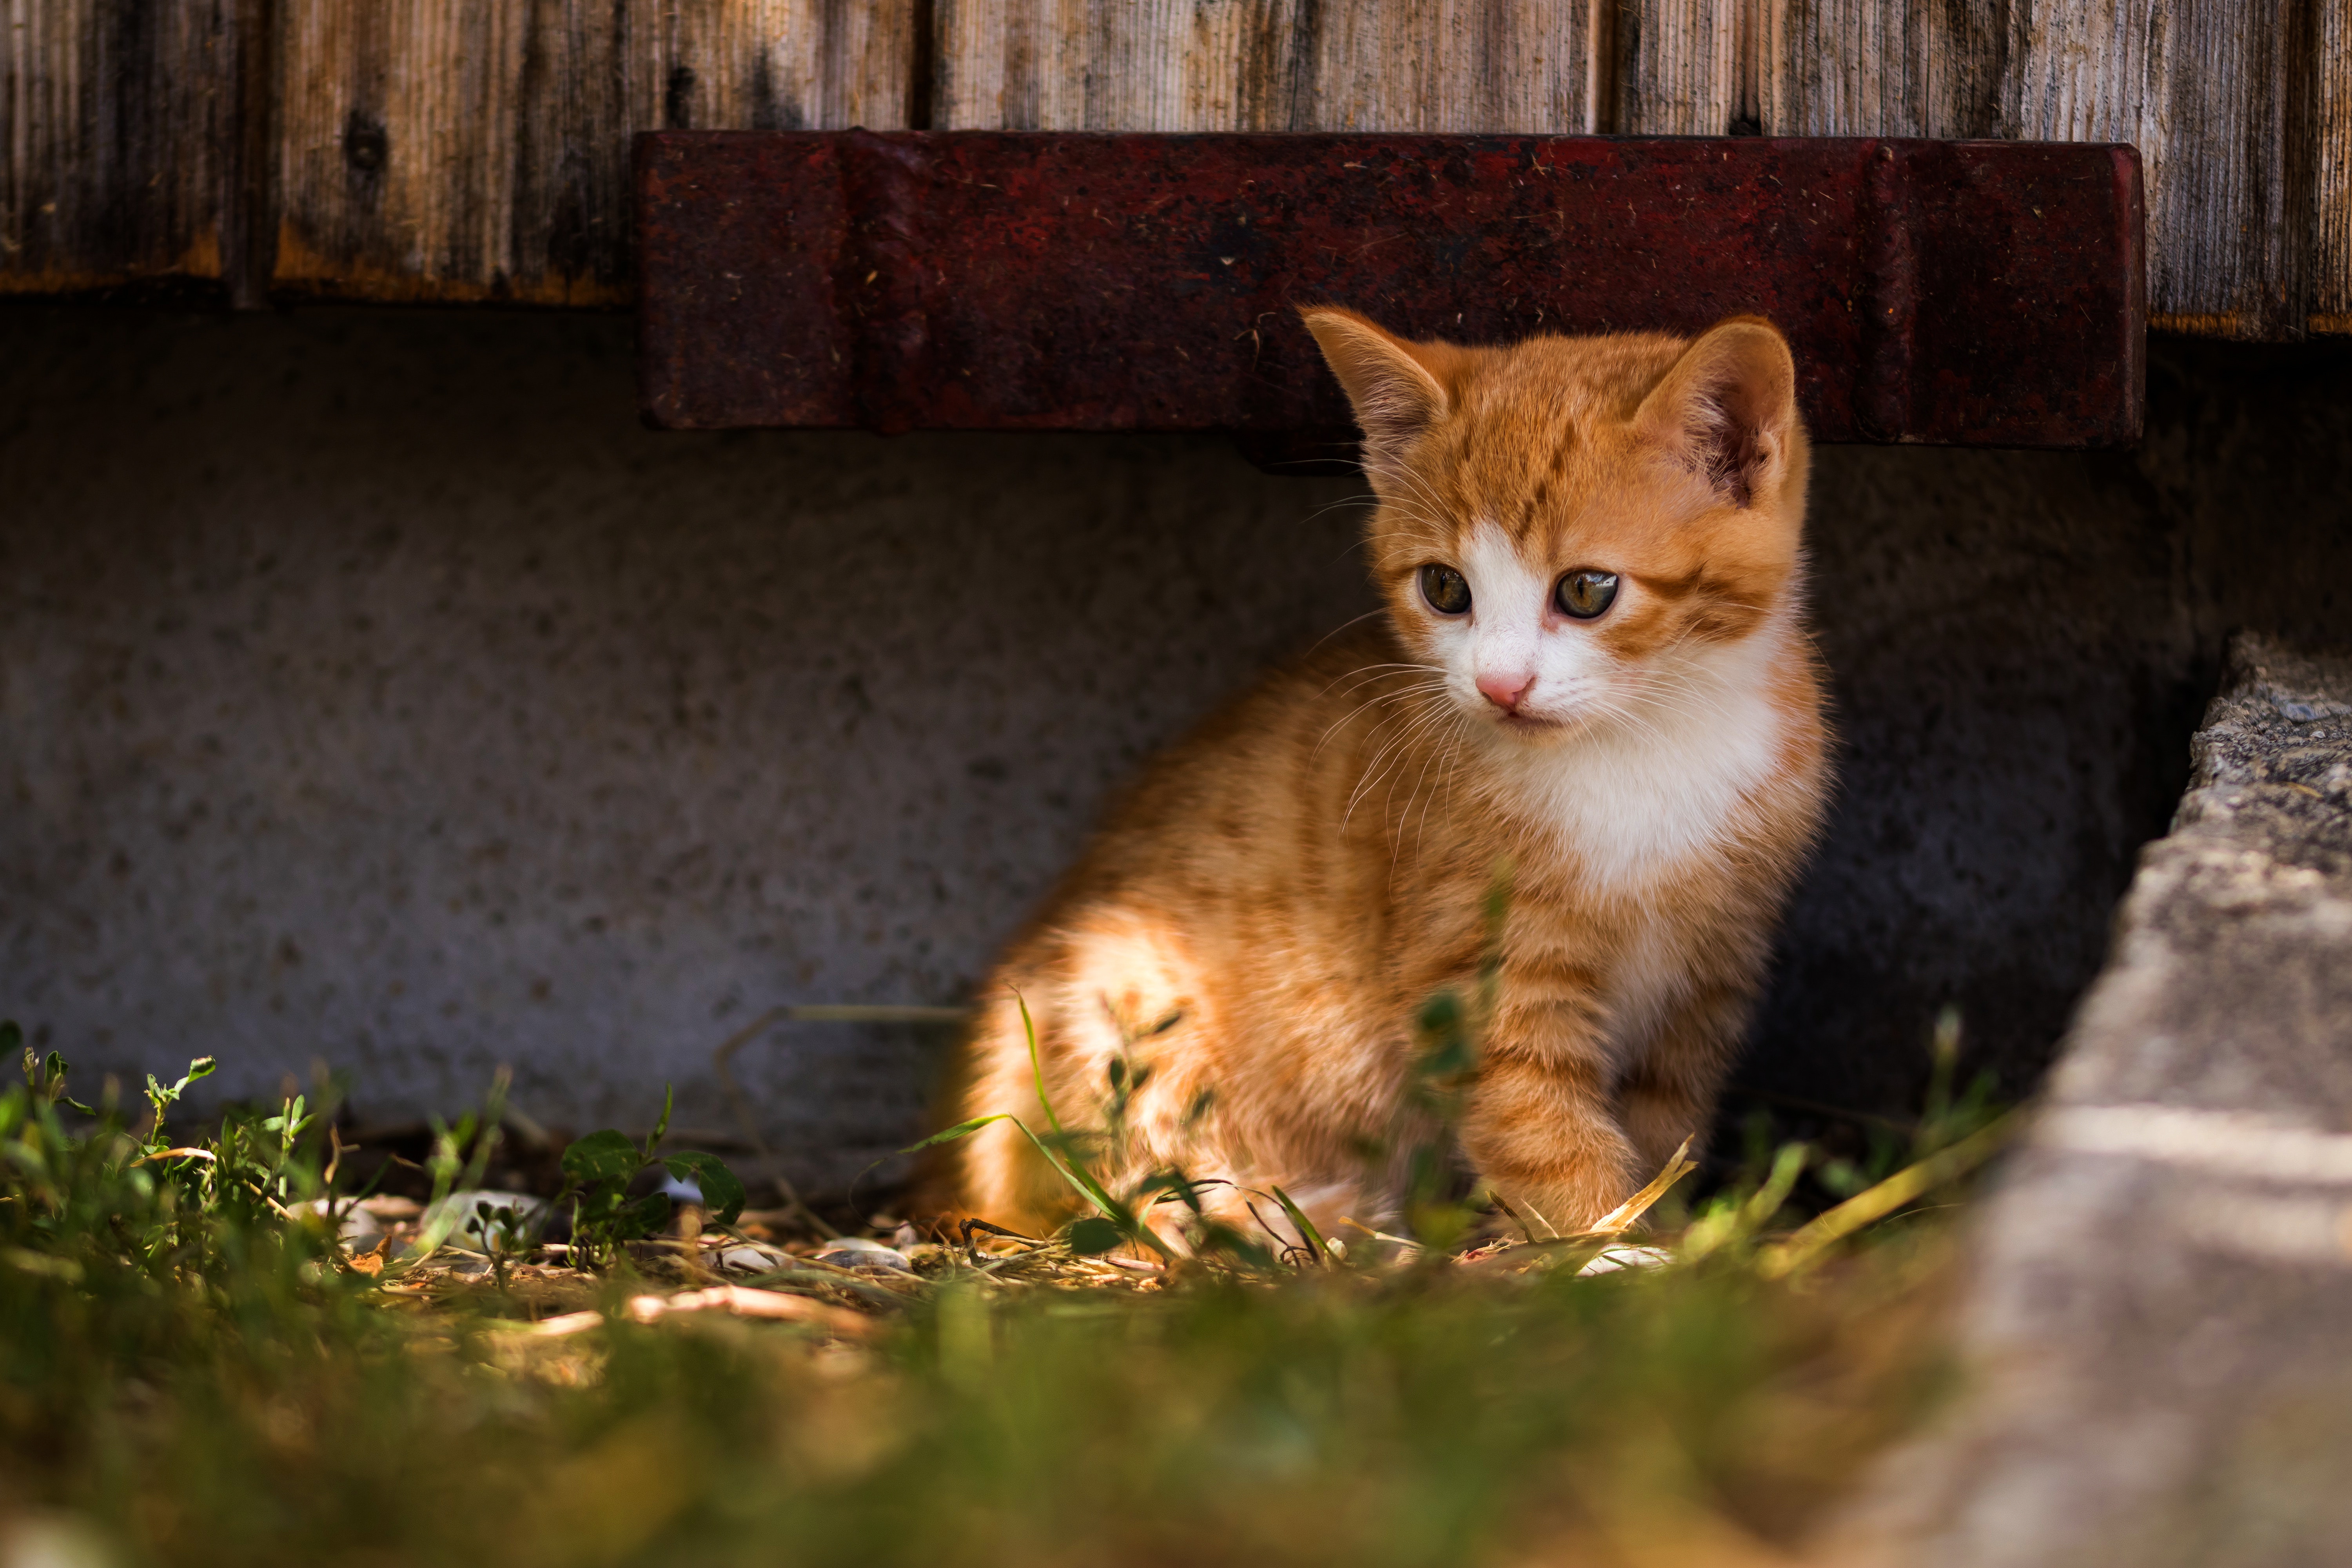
(1512, 634)
(1651, 759)
(1662, 774)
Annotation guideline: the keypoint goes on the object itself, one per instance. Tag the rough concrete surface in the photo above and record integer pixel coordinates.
(374, 688)
(2159, 1318)
(377, 690)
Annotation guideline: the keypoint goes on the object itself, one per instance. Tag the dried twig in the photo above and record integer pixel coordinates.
(741, 1301)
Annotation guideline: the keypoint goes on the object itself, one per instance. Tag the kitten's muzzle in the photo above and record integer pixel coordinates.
(1506, 692)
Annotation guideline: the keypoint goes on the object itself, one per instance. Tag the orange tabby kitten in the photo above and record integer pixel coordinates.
(1593, 669)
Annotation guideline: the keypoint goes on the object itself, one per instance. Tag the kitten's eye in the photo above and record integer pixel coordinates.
(1445, 589)
(1585, 594)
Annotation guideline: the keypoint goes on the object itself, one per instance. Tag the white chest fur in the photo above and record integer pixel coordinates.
(1639, 796)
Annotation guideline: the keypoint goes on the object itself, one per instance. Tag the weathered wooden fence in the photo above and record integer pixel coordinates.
(464, 149)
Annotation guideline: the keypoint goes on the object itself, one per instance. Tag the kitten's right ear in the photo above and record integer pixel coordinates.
(1392, 384)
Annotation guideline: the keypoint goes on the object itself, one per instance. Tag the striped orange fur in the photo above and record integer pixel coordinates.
(1291, 882)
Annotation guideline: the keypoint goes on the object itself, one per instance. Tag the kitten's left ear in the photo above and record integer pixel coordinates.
(1728, 409)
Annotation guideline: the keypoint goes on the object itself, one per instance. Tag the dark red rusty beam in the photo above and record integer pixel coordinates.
(1966, 293)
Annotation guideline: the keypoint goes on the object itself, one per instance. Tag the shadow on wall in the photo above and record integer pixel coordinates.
(2021, 644)
(373, 689)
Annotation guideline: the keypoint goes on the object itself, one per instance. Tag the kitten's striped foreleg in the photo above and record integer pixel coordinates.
(1541, 1129)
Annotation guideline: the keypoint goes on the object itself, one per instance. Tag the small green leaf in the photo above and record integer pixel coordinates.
(1177, 1187)
(1442, 1014)
(722, 1193)
(647, 1215)
(1450, 1058)
(595, 1208)
(605, 1156)
(1093, 1235)
(1036, 1067)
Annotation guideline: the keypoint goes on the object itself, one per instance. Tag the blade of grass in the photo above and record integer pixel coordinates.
(1307, 1230)
(1766, 1200)
(1622, 1218)
(1877, 1203)
(1036, 1068)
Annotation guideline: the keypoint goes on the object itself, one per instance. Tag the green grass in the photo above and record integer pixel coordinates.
(189, 1375)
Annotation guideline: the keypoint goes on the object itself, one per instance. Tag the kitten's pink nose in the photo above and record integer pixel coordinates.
(1505, 690)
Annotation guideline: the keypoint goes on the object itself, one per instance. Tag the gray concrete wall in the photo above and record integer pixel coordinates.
(374, 689)
(2021, 644)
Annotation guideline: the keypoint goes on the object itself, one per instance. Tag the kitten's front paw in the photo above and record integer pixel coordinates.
(1570, 1204)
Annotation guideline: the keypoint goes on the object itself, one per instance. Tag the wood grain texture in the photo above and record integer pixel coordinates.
(2217, 94)
(1268, 65)
(2331, 231)
(1681, 67)
(2243, 108)
(466, 149)
(459, 149)
(120, 143)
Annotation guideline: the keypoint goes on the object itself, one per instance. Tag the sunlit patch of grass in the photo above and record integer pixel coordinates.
(198, 1378)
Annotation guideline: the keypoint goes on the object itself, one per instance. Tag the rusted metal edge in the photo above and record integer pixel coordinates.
(1964, 293)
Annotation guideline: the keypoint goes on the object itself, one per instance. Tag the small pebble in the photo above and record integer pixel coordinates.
(1610, 1260)
(855, 1244)
(750, 1260)
(867, 1257)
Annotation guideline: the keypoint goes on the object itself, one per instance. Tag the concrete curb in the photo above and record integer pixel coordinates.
(2159, 1315)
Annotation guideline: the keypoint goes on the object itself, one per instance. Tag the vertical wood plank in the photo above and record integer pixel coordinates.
(1461, 66)
(1678, 66)
(2331, 115)
(1863, 63)
(470, 148)
(388, 179)
(781, 65)
(119, 142)
(2206, 88)
(1267, 65)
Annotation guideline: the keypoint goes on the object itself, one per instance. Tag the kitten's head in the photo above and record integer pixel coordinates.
(1568, 528)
